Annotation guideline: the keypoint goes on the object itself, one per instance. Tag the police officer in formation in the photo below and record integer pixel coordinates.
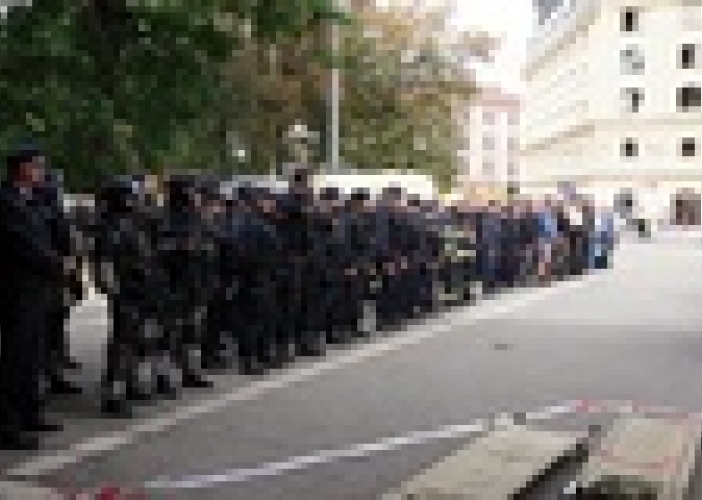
(125, 273)
(64, 233)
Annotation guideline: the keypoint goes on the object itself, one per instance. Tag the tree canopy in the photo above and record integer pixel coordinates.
(118, 85)
(111, 85)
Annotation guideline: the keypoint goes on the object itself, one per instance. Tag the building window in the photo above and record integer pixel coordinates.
(630, 148)
(689, 98)
(488, 168)
(489, 118)
(633, 98)
(688, 56)
(633, 61)
(630, 19)
(488, 143)
(688, 147)
(511, 169)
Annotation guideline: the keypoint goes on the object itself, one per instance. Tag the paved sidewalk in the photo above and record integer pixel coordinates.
(10, 490)
(679, 233)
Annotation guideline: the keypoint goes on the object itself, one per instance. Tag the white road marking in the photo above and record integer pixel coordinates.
(551, 412)
(322, 457)
(273, 469)
(317, 458)
(46, 464)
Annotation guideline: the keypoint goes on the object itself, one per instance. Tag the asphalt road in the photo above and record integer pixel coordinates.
(630, 333)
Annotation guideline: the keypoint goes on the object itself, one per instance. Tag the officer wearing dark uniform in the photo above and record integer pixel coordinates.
(565, 232)
(34, 271)
(488, 224)
(182, 254)
(393, 252)
(65, 235)
(426, 247)
(302, 274)
(508, 262)
(126, 273)
(220, 324)
(457, 263)
(335, 261)
(279, 290)
(325, 266)
(359, 237)
(259, 247)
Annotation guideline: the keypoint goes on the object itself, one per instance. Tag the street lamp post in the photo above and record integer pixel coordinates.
(335, 102)
(334, 153)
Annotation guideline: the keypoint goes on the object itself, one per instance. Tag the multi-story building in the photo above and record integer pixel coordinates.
(614, 101)
(490, 152)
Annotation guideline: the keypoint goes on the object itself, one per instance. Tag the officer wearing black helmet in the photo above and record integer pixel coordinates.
(182, 254)
(334, 262)
(214, 339)
(391, 256)
(34, 272)
(126, 272)
(251, 258)
(360, 228)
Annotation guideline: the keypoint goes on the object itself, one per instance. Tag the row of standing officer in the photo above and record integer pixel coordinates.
(278, 276)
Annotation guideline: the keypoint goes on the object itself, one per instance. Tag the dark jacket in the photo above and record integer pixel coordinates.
(29, 251)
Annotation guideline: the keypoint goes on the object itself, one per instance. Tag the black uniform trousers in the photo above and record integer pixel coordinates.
(126, 341)
(57, 345)
(391, 302)
(350, 303)
(24, 321)
(255, 329)
(303, 301)
(181, 334)
(220, 322)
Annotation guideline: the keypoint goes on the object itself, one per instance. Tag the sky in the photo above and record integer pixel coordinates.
(510, 20)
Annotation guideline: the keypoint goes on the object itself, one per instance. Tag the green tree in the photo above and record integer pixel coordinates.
(402, 79)
(111, 85)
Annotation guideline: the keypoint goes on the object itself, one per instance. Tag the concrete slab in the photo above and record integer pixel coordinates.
(496, 467)
(645, 454)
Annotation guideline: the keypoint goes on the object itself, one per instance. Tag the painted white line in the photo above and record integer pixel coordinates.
(415, 334)
(548, 413)
(356, 451)
(318, 458)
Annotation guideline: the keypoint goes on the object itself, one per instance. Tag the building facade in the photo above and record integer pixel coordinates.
(613, 102)
(490, 152)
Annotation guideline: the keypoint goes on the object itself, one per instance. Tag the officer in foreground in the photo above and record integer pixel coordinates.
(34, 273)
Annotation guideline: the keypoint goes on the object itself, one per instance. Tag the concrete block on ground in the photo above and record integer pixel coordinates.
(644, 454)
(495, 467)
